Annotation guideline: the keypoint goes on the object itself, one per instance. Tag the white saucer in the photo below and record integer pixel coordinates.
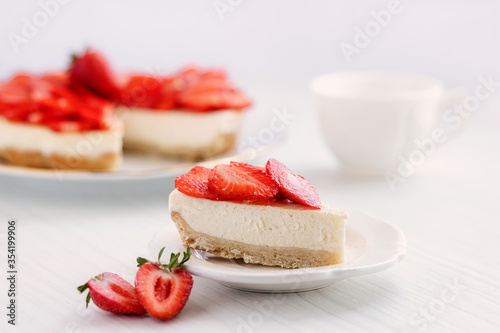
(372, 245)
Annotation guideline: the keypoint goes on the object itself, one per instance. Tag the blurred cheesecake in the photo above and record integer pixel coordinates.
(193, 114)
(46, 124)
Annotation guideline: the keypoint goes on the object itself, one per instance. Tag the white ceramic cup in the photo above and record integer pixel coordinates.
(371, 120)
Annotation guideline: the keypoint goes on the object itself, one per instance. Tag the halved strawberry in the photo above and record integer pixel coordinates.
(93, 71)
(241, 181)
(195, 183)
(293, 187)
(163, 290)
(113, 294)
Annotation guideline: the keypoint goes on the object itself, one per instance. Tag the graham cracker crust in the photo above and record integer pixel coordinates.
(287, 257)
(60, 162)
(221, 144)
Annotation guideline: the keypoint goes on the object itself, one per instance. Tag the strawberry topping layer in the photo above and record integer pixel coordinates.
(53, 101)
(191, 89)
(244, 182)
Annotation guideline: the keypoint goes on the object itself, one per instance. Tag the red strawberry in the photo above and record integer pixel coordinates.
(113, 294)
(242, 181)
(195, 183)
(293, 187)
(93, 71)
(163, 290)
(142, 91)
(169, 94)
(235, 99)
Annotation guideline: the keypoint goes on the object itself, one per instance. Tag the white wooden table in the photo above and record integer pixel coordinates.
(449, 211)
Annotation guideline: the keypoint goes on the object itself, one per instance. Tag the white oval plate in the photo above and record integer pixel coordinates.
(372, 245)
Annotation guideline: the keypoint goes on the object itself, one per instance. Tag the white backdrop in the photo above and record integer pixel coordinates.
(454, 40)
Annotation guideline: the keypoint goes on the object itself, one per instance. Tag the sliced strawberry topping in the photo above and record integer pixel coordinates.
(142, 91)
(195, 183)
(53, 101)
(113, 294)
(241, 181)
(293, 187)
(213, 93)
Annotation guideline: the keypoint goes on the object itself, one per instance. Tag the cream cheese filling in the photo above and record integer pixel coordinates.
(35, 138)
(286, 225)
(176, 128)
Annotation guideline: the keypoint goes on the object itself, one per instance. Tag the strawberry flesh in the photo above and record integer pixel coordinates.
(195, 184)
(241, 181)
(161, 293)
(111, 293)
(293, 187)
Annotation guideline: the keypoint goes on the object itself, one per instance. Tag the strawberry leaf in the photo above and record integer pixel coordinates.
(83, 287)
(185, 257)
(141, 261)
(161, 252)
(174, 261)
(87, 300)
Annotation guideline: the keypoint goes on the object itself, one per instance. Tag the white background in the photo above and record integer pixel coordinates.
(448, 209)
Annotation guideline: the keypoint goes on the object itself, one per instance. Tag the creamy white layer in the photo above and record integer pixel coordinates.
(35, 138)
(174, 129)
(286, 225)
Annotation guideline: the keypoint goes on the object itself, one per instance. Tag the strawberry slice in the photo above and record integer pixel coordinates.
(293, 187)
(142, 91)
(93, 71)
(163, 290)
(235, 99)
(113, 294)
(195, 183)
(241, 181)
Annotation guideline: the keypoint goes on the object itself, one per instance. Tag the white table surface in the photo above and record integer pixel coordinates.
(449, 211)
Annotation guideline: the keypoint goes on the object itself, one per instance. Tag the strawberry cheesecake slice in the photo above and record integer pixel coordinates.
(264, 216)
(193, 114)
(46, 123)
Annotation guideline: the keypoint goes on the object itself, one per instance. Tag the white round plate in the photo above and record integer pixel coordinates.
(372, 245)
(250, 145)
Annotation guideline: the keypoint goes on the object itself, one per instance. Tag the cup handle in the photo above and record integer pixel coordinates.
(448, 106)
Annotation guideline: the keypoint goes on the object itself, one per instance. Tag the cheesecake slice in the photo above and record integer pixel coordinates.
(275, 234)
(269, 217)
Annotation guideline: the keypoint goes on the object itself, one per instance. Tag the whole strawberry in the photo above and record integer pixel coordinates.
(113, 294)
(163, 290)
(93, 71)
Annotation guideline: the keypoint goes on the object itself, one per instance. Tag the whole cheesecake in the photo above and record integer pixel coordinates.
(192, 114)
(269, 217)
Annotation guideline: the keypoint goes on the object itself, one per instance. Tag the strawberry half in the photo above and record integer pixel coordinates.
(195, 183)
(293, 187)
(113, 294)
(163, 290)
(94, 72)
(241, 181)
